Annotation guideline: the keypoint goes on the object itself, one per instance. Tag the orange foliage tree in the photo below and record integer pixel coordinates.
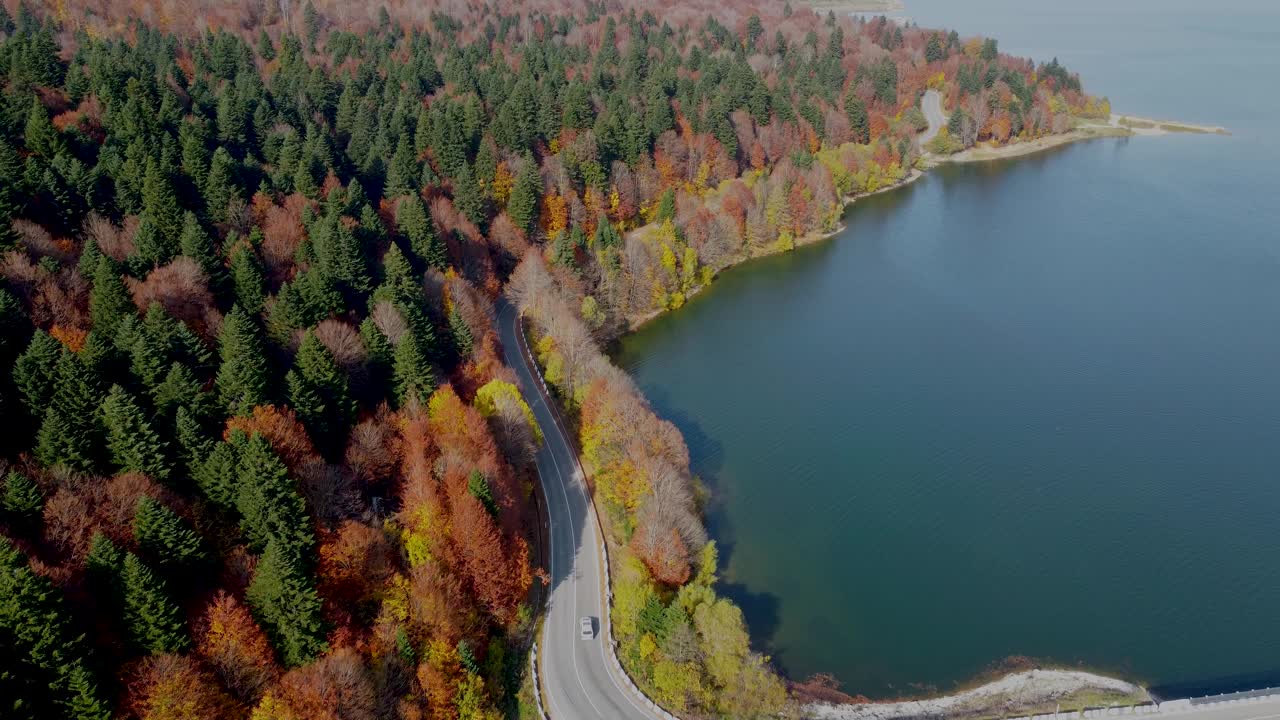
(235, 647)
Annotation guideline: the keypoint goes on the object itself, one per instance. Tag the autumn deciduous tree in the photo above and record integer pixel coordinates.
(176, 687)
(235, 648)
(338, 687)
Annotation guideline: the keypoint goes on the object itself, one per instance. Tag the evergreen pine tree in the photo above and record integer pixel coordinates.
(35, 371)
(146, 361)
(199, 246)
(84, 701)
(247, 280)
(478, 486)
(462, 338)
(182, 390)
(265, 48)
(134, 445)
(270, 506)
(284, 602)
(166, 538)
(319, 393)
(563, 252)
(154, 620)
(43, 666)
(216, 474)
(69, 434)
(242, 376)
(109, 301)
(522, 206)
(606, 236)
(413, 221)
(467, 197)
(377, 353)
(219, 186)
(402, 170)
(41, 137)
(152, 247)
(104, 562)
(161, 204)
(22, 499)
(412, 375)
(857, 113)
(12, 197)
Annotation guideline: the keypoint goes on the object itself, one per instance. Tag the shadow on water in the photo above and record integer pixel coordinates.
(761, 610)
(1217, 686)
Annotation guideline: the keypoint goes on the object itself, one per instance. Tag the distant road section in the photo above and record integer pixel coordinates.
(931, 103)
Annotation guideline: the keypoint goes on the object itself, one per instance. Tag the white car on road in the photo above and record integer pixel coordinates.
(588, 628)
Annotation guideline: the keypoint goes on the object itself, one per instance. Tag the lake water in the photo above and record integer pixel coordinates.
(1026, 408)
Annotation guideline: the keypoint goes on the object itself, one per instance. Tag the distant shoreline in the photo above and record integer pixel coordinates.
(1116, 126)
(878, 7)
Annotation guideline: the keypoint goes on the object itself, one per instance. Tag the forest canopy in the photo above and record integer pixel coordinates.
(263, 458)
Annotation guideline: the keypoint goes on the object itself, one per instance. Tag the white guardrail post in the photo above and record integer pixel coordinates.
(610, 643)
(537, 681)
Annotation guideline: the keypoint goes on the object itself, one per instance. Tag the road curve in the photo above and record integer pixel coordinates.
(579, 680)
(931, 103)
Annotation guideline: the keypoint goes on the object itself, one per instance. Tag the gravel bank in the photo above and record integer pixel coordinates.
(1010, 695)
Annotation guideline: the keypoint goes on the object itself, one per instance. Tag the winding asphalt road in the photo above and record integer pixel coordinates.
(931, 103)
(578, 680)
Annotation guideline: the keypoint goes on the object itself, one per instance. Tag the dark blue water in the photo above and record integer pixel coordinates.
(1022, 408)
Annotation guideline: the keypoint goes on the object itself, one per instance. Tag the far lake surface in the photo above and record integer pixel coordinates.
(1024, 408)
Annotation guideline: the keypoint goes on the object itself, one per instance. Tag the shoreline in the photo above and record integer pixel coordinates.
(1117, 125)
(1022, 693)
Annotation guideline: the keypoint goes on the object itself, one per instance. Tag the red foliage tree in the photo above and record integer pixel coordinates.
(281, 428)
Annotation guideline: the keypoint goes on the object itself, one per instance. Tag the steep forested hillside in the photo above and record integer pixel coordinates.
(261, 457)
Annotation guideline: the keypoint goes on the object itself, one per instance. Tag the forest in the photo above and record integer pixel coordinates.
(262, 458)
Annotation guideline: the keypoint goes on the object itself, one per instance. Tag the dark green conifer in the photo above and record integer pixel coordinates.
(199, 246)
(44, 656)
(35, 371)
(161, 204)
(284, 602)
(133, 444)
(153, 618)
(402, 170)
(220, 186)
(242, 376)
(247, 279)
(319, 393)
(166, 538)
(462, 338)
(269, 505)
(467, 197)
(216, 474)
(41, 137)
(412, 374)
(69, 434)
(522, 206)
(22, 499)
(414, 223)
(109, 301)
(478, 486)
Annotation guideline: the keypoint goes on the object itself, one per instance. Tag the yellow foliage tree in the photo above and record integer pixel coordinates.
(495, 391)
